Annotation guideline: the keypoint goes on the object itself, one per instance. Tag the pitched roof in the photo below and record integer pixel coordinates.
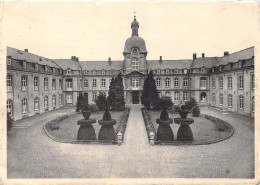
(235, 57)
(206, 62)
(68, 63)
(99, 65)
(171, 64)
(29, 57)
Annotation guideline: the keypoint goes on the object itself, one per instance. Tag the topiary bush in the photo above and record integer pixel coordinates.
(195, 111)
(101, 101)
(9, 121)
(165, 102)
(93, 108)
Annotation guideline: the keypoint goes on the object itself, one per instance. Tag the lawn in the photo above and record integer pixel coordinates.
(203, 130)
(68, 128)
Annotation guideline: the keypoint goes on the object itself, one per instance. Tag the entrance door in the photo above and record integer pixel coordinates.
(135, 97)
(69, 98)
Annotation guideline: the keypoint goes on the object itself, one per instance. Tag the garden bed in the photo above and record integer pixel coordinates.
(206, 129)
(65, 128)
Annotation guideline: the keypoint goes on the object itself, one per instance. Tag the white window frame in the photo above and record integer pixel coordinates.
(36, 104)
(103, 72)
(46, 68)
(135, 82)
(230, 100)
(53, 69)
(45, 83)
(168, 93)
(9, 106)
(60, 84)
(135, 63)
(36, 66)
(46, 103)
(24, 106)
(167, 71)
(158, 71)
(53, 84)
(229, 82)
(203, 82)
(94, 83)
(94, 96)
(185, 82)
(213, 82)
(9, 82)
(24, 84)
(221, 99)
(176, 95)
(214, 98)
(241, 81)
(54, 100)
(60, 99)
(103, 83)
(167, 82)
(185, 96)
(24, 64)
(176, 82)
(158, 82)
(69, 84)
(241, 102)
(85, 83)
(36, 83)
(221, 82)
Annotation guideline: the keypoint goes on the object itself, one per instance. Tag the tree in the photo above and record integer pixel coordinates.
(82, 102)
(150, 95)
(116, 93)
(101, 101)
(191, 103)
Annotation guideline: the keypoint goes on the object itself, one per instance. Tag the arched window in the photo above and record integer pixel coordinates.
(185, 82)
(176, 82)
(158, 71)
(158, 82)
(46, 102)
(230, 100)
(167, 71)
(167, 82)
(221, 99)
(241, 102)
(36, 104)
(9, 106)
(203, 97)
(176, 71)
(54, 100)
(24, 105)
(103, 72)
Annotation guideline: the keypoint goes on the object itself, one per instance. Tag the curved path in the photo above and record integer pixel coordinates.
(31, 154)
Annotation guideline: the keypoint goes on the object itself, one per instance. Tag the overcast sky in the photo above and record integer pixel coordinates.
(96, 31)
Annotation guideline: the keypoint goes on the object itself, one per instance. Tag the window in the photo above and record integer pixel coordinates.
(253, 104)
(45, 84)
(54, 100)
(94, 72)
(24, 83)
(167, 93)
(135, 63)
(221, 82)
(135, 82)
(60, 99)
(69, 84)
(241, 102)
(185, 71)
(203, 70)
(103, 83)
(46, 102)
(213, 82)
(176, 82)
(36, 83)
(69, 98)
(241, 82)
(94, 83)
(253, 81)
(190, 82)
(36, 104)
(9, 61)
(167, 71)
(36, 67)
(203, 97)
(103, 72)
(46, 68)
(230, 100)
(230, 82)
(94, 96)
(213, 98)
(80, 83)
(24, 64)
(158, 71)
(167, 82)
(203, 82)
(24, 105)
(9, 82)
(176, 71)
(60, 84)
(221, 99)
(185, 96)
(111, 72)
(9, 106)
(53, 84)
(176, 96)
(185, 82)
(85, 83)
(158, 82)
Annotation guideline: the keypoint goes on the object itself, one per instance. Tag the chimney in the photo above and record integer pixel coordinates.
(203, 55)
(109, 60)
(160, 58)
(194, 56)
(26, 50)
(75, 58)
(226, 53)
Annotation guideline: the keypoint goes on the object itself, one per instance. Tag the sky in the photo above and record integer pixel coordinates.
(98, 30)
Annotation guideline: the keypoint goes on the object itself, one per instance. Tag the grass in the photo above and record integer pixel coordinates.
(68, 128)
(203, 130)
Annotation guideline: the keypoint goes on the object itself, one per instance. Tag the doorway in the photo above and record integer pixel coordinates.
(135, 97)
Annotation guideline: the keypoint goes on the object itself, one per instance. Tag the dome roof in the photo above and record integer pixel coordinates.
(135, 41)
(135, 23)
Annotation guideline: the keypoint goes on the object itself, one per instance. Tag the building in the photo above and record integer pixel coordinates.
(37, 84)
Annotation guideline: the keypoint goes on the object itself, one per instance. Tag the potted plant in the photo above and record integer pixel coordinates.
(183, 111)
(86, 112)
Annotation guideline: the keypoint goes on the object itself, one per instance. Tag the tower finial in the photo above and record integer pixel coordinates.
(134, 14)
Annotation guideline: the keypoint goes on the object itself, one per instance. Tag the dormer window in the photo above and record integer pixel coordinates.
(53, 70)
(158, 71)
(111, 72)
(46, 68)
(220, 68)
(185, 71)
(85, 72)
(69, 72)
(24, 64)
(213, 70)
(103, 72)
(135, 51)
(176, 71)
(240, 64)
(94, 72)
(202, 70)
(36, 67)
(9, 61)
(167, 71)
(60, 71)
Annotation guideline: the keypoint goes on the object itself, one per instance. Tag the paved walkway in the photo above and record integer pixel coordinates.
(31, 154)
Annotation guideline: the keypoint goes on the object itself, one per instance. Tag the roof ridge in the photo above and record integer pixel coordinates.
(237, 52)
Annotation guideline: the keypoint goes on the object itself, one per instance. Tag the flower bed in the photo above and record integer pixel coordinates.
(206, 129)
(64, 129)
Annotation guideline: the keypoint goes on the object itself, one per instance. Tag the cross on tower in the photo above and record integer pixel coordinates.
(134, 13)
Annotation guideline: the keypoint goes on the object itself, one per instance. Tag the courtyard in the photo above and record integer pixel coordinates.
(31, 154)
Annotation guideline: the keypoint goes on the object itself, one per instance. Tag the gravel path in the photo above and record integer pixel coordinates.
(31, 154)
